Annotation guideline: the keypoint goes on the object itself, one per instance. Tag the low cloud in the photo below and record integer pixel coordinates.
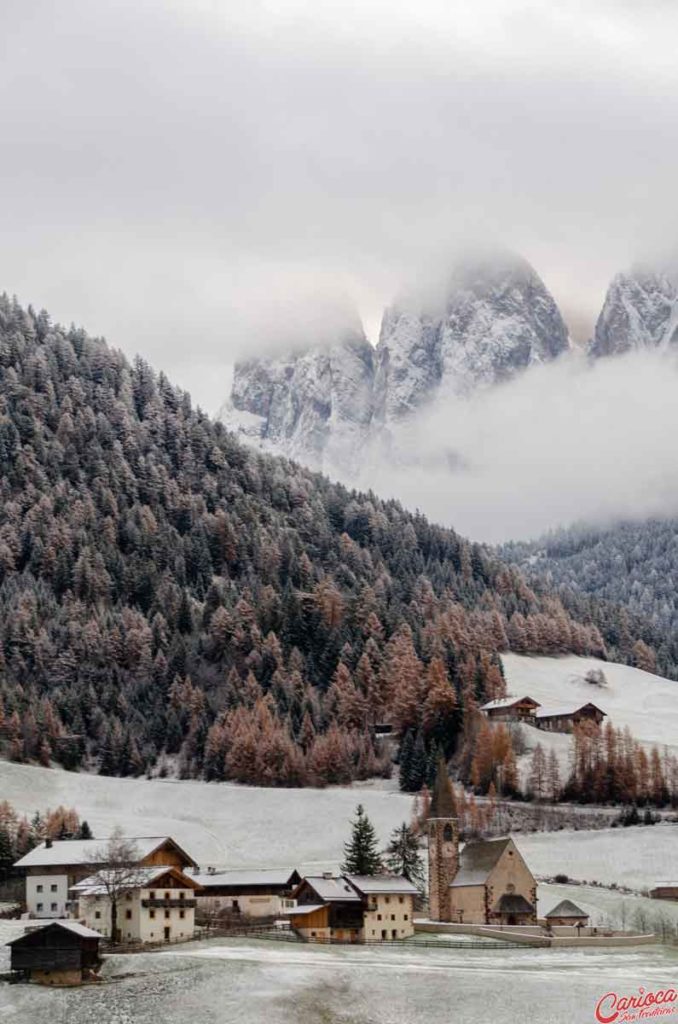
(563, 442)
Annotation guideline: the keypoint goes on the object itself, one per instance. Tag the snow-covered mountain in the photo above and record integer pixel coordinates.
(640, 311)
(323, 406)
(496, 319)
(314, 406)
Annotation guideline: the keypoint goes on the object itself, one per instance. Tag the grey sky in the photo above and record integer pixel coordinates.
(193, 179)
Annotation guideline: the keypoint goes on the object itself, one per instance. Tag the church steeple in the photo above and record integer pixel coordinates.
(443, 804)
(443, 845)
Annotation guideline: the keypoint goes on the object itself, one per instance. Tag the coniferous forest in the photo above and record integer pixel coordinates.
(171, 598)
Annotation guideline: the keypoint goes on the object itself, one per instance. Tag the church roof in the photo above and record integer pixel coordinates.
(443, 804)
(477, 859)
(566, 908)
(514, 903)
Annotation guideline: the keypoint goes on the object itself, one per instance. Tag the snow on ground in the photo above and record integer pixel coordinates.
(610, 909)
(231, 981)
(646, 703)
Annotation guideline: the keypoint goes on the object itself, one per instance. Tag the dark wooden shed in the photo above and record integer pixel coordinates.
(59, 953)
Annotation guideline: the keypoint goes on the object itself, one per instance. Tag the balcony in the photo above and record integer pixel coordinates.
(167, 904)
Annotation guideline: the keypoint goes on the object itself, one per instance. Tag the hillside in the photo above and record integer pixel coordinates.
(171, 598)
(629, 564)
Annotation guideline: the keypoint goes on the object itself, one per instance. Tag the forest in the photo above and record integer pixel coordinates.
(171, 601)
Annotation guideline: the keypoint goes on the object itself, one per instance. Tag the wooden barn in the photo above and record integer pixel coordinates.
(60, 953)
(564, 719)
(510, 709)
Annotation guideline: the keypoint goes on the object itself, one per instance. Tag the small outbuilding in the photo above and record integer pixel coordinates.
(59, 953)
(567, 913)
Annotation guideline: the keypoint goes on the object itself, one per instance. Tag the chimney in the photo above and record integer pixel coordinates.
(327, 874)
(48, 843)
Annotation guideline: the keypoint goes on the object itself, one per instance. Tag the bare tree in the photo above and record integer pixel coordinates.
(118, 872)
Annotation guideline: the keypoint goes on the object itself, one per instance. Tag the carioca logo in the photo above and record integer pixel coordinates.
(610, 1006)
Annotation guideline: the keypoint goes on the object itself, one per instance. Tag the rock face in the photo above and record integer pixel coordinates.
(497, 318)
(640, 311)
(313, 406)
(323, 406)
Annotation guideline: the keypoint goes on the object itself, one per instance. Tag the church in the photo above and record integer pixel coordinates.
(487, 882)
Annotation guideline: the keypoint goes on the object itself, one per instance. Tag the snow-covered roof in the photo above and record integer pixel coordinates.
(375, 884)
(272, 876)
(329, 889)
(565, 709)
(506, 702)
(477, 859)
(307, 908)
(71, 926)
(566, 908)
(63, 852)
(139, 878)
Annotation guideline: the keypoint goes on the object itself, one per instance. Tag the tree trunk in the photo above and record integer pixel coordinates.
(114, 920)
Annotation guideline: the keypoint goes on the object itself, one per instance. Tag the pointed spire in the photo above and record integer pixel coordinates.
(443, 804)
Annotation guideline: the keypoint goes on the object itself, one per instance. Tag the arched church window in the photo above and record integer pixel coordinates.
(447, 834)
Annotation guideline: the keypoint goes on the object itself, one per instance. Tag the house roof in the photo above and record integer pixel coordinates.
(306, 908)
(63, 852)
(375, 884)
(332, 889)
(566, 908)
(70, 926)
(507, 702)
(565, 709)
(514, 903)
(141, 878)
(477, 859)
(273, 876)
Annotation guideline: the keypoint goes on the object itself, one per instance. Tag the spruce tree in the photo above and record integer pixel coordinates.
(361, 854)
(84, 832)
(403, 857)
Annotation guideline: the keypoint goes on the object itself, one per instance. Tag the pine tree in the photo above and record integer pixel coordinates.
(403, 857)
(361, 852)
(84, 832)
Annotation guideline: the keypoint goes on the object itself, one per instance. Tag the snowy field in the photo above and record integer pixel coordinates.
(277, 983)
(646, 703)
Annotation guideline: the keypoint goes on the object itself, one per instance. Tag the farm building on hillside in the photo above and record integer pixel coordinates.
(158, 905)
(511, 709)
(55, 866)
(564, 719)
(254, 893)
(665, 891)
(59, 953)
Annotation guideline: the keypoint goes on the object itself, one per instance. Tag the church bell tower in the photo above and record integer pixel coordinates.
(443, 846)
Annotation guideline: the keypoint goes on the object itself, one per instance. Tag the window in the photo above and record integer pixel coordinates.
(378, 917)
(151, 894)
(129, 896)
(447, 834)
(97, 914)
(38, 907)
(38, 888)
(54, 906)
(405, 917)
(151, 913)
(167, 914)
(52, 888)
(182, 894)
(393, 917)
(387, 899)
(182, 913)
(128, 915)
(400, 899)
(167, 895)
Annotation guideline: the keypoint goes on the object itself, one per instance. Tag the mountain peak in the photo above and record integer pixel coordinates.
(640, 311)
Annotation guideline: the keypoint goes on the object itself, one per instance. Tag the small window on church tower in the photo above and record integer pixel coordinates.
(447, 834)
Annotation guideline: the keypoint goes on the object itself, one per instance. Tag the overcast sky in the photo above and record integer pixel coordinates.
(191, 178)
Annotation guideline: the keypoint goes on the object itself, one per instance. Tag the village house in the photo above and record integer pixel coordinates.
(251, 894)
(55, 866)
(354, 908)
(511, 709)
(157, 906)
(564, 719)
(486, 882)
(388, 906)
(327, 908)
(59, 953)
